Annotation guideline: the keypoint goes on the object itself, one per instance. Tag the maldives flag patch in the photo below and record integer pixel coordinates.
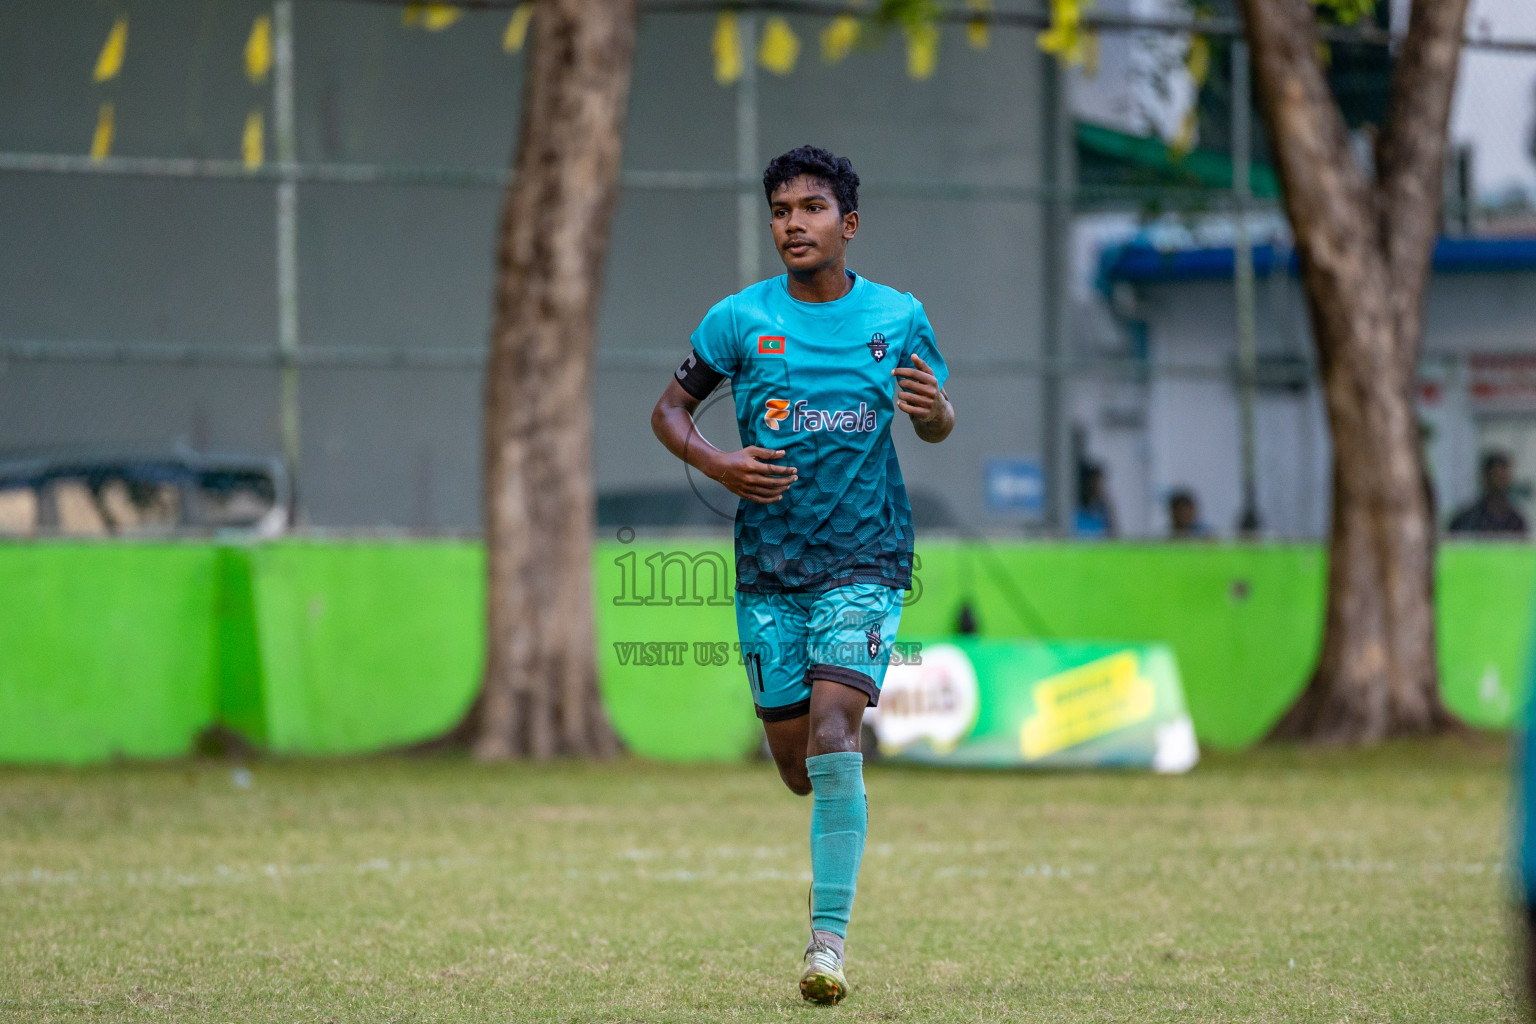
(770, 345)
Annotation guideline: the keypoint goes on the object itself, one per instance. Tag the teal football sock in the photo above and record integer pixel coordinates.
(839, 820)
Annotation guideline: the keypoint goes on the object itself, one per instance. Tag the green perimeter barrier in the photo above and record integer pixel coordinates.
(343, 646)
(1243, 622)
(365, 645)
(106, 650)
(666, 661)
(241, 702)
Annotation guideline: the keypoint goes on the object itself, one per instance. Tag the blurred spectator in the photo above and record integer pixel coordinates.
(1492, 512)
(1184, 522)
(1094, 517)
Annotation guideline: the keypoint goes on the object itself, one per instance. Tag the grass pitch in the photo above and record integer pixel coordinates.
(1276, 886)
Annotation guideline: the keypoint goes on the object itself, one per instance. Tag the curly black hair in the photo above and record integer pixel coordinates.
(836, 171)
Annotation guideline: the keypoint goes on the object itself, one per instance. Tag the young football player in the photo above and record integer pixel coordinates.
(820, 361)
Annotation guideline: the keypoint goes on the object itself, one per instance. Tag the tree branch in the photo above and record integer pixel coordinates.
(1410, 157)
(1325, 191)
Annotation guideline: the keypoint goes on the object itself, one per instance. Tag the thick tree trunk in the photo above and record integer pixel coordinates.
(539, 696)
(1365, 244)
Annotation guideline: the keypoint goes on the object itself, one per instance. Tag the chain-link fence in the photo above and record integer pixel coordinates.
(250, 241)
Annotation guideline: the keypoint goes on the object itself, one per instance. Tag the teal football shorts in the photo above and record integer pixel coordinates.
(843, 634)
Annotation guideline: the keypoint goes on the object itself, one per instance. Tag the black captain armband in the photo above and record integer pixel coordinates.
(697, 377)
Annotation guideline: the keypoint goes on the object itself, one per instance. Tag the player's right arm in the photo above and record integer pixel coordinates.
(750, 473)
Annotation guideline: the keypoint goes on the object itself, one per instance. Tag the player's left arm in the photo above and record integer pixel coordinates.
(919, 395)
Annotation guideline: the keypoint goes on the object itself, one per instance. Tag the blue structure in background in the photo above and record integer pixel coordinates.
(1140, 262)
(1017, 486)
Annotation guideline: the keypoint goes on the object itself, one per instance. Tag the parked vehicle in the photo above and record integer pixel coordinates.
(180, 492)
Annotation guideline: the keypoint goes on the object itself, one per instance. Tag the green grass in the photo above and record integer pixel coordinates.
(1277, 886)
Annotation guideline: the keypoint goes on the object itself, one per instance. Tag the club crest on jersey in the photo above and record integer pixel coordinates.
(873, 636)
(777, 412)
(877, 346)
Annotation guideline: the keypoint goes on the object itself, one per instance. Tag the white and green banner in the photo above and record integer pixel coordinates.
(1007, 703)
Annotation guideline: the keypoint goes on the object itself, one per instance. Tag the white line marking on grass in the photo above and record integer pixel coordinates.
(223, 874)
(694, 866)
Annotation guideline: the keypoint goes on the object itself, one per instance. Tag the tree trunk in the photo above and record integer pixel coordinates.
(1365, 244)
(539, 697)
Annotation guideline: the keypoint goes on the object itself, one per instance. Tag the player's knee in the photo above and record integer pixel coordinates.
(833, 734)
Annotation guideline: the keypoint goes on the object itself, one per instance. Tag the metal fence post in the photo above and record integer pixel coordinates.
(1249, 521)
(287, 242)
(749, 211)
(1059, 170)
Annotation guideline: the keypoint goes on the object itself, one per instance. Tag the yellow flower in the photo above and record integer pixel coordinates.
(922, 50)
(432, 17)
(258, 50)
(110, 62)
(517, 28)
(1198, 60)
(727, 47)
(780, 47)
(976, 32)
(101, 141)
(839, 37)
(252, 141)
(1066, 39)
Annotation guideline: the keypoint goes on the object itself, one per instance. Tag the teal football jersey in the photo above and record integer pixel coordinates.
(814, 378)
